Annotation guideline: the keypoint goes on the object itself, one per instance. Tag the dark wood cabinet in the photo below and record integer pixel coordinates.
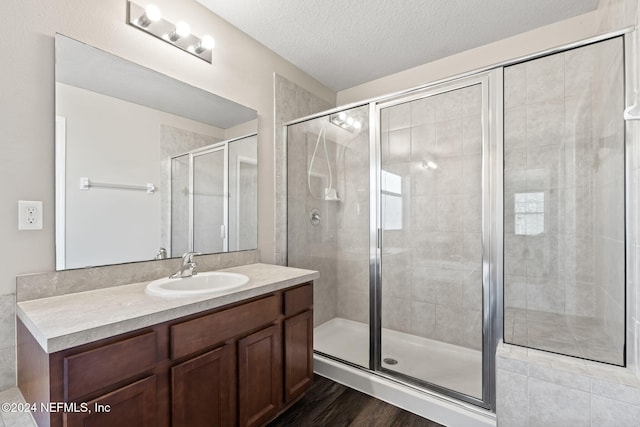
(241, 364)
(131, 405)
(259, 376)
(202, 390)
(298, 354)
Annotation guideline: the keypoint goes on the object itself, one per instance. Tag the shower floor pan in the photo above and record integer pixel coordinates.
(450, 366)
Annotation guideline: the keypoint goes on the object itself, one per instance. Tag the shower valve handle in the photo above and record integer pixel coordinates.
(314, 217)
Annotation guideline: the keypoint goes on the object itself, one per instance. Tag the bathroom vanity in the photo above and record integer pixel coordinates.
(237, 358)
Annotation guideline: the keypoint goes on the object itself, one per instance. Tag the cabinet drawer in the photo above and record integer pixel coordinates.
(197, 334)
(298, 299)
(95, 369)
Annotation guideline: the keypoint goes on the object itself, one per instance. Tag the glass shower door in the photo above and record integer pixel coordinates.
(431, 255)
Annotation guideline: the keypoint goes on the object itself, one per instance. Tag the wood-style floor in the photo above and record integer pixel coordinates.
(329, 404)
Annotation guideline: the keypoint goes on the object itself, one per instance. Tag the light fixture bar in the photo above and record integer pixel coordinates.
(177, 35)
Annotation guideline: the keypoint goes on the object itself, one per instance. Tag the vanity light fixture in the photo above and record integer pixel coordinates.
(149, 19)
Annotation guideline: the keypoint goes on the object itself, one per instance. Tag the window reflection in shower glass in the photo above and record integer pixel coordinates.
(391, 186)
(529, 213)
(564, 232)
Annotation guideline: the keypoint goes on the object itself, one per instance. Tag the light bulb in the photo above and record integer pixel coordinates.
(357, 125)
(207, 42)
(349, 121)
(152, 12)
(342, 115)
(183, 29)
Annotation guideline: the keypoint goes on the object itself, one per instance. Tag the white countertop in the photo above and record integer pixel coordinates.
(66, 321)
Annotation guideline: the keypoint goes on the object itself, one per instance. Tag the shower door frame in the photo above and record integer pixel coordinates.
(492, 165)
(208, 149)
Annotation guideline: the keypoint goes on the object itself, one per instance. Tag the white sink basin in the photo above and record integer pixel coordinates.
(201, 283)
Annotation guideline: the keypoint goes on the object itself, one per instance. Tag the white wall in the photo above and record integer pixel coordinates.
(242, 71)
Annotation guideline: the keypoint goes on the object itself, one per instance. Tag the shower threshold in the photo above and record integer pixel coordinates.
(446, 365)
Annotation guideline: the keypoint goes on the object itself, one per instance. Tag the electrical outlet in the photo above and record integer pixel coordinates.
(29, 215)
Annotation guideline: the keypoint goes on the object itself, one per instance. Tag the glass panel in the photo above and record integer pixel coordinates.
(179, 205)
(328, 226)
(432, 247)
(209, 231)
(564, 233)
(243, 194)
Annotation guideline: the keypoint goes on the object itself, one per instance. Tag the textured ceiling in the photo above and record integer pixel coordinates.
(343, 43)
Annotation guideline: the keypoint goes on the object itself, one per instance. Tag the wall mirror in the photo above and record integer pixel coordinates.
(147, 166)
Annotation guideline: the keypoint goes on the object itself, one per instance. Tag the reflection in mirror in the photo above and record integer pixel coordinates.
(136, 164)
(214, 198)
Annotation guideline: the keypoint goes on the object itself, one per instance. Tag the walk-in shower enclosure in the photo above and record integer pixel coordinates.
(448, 217)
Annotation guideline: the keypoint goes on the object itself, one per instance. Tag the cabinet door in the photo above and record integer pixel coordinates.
(298, 354)
(260, 376)
(132, 405)
(202, 390)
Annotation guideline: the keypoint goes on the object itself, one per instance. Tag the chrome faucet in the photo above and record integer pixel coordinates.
(188, 267)
(162, 254)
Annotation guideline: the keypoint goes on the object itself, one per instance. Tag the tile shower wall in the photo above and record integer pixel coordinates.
(352, 255)
(564, 203)
(290, 102)
(310, 246)
(539, 389)
(432, 245)
(338, 244)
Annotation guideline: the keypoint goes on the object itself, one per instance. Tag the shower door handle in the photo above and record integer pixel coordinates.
(379, 243)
